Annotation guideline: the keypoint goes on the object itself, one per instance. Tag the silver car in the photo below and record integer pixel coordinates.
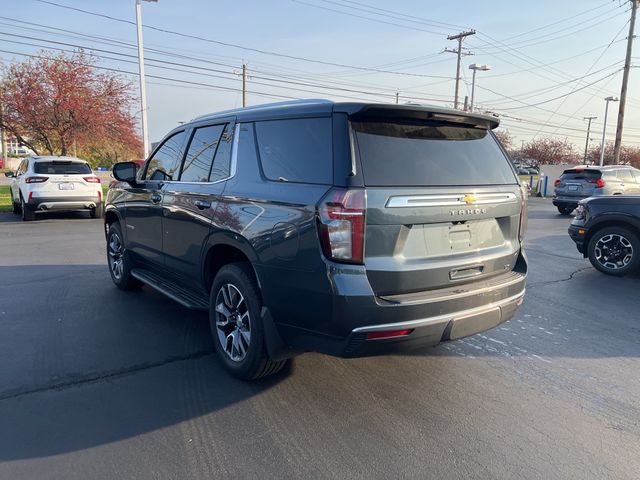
(591, 181)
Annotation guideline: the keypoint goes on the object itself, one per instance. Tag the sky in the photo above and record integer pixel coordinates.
(552, 62)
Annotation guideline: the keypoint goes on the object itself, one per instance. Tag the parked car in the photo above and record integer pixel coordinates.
(590, 181)
(607, 231)
(343, 228)
(48, 183)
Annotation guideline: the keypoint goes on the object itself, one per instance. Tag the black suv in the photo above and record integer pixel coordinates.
(344, 228)
(607, 231)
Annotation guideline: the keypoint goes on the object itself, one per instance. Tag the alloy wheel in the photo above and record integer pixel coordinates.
(233, 323)
(613, 251)
(116, 259)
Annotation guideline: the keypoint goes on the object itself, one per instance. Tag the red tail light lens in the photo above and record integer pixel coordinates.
(556, 183)
(36, 179)
(600, 183)
(341, 216)
(91, 179)
(388, 334)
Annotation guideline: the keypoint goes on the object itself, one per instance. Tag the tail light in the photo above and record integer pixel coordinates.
(388, 334)
(100, 195)
(522, 227)
(600, 183)
(341, 216)
(91, 179)
(36, 179)
(30, 197)
(556, 183)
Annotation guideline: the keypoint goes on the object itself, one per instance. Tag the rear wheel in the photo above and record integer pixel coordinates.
(97, 211)
(236, 326)
(27, 212)
(566, 210)
(16, 208)
(118, 260)
(614, 251)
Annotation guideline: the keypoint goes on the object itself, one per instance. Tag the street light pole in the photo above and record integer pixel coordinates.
(143, 91)
(475, 68)
(604, 127)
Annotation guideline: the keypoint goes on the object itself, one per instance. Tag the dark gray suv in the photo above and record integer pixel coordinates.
(344, 228)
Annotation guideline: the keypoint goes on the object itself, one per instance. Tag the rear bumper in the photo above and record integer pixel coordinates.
(561, 201)
(431, 317)
(63, 203)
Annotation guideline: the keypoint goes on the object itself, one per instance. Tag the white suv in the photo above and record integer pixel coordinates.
(55, 183)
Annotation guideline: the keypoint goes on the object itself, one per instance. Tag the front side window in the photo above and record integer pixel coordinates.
(199, 158)
(625, 175)
(296, 150)
(165, 160)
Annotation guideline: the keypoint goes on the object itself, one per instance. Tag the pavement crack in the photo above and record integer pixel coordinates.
(99, 377)
(551, 282)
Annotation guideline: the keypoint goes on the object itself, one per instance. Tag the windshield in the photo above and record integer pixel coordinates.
(407, 154)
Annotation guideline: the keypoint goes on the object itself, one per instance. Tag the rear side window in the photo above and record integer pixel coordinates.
(199, 158)
(576, 175)
(222, 162)
(165, 160)
(625, 175)
(407, 154)
(296, 150)
(61, 168)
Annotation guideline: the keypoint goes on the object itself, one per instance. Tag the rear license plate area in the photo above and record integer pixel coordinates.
(573, 188)
(65, 186)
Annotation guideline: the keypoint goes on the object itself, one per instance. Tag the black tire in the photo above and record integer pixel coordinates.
(16, 208)
(27, 212)
(98, 211)
(120, 275)
(566, 210)
(614, 251)
(235, 283)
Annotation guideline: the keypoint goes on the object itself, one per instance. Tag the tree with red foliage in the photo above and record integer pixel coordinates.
(550, 150)
(54, 102)
(628, 155)
(506, 139)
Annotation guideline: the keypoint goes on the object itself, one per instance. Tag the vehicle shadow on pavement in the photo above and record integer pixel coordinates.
(41, 216)
(84, 364)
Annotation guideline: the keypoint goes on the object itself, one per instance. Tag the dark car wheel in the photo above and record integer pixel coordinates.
(566, 210)
(236, 325)
(118, 260)
(27, 212)
(97, 212)
(614, 251)
(16, 208)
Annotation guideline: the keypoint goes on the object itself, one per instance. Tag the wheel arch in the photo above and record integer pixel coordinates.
(612, 221)
(225, 248)
(112, 215)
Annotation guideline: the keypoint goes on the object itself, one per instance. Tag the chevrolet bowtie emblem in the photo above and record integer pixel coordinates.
(469, 199)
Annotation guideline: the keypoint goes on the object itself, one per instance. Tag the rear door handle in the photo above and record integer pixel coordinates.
(156, 197)
(203, 205)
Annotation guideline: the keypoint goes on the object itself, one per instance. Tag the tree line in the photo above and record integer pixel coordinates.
(61, 105)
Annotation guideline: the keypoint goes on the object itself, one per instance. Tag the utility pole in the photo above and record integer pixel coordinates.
(244, 85)
(625, 81)
(397, 97)
(586, 144)
(458, 51)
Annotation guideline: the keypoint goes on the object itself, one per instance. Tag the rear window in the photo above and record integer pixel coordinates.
(406, 154)
(296, 150)
(61, 168)
(581, 175)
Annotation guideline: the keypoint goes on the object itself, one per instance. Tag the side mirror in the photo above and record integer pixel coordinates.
(126, 172)
(9, 174)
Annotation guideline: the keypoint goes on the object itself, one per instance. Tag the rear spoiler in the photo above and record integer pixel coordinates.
(417, 112)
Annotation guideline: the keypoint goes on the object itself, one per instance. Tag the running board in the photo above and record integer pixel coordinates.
(175, 292)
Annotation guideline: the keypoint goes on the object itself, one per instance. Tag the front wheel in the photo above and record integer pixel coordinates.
(614, 251)
(118, 260)
(566, 210)
(236, 325)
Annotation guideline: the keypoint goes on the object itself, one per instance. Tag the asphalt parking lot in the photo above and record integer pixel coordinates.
(98, 383)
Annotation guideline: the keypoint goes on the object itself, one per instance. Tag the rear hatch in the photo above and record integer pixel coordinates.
(66, 178)
(577, 182)
(443, 204)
